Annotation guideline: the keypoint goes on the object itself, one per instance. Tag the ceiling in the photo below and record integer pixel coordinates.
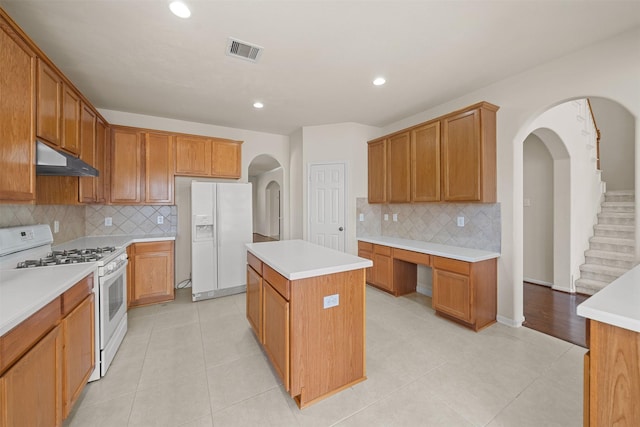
(319, 57)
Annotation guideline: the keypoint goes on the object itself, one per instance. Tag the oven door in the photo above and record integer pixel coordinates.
(113, 303)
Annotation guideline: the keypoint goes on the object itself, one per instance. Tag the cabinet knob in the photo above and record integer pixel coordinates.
(341, 228)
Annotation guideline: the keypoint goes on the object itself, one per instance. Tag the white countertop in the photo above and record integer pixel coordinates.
(119, 241)
(23, 292)
(453, 252)
(299, 259)
(618, 304)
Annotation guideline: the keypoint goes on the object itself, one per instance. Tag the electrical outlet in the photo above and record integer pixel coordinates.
(108, 221)
(56, 226)
(386, 217)
(395, 217)
(160, 219)
(331, 301)
(460, 221)
(361, 217)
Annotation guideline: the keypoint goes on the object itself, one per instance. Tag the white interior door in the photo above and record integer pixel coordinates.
(327, 205)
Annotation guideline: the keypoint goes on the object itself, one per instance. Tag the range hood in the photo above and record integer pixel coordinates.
(52, 162)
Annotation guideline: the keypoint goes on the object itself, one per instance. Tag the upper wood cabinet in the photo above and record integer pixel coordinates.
(126, 166)
(158, 166)
(49, 108)
(71, 111)
(102, 161)
(399, 168)
(451, 159)
(469, 155)
(377, 166)
(17, 121)
(87, 189)
(425, 163)
(207, 157)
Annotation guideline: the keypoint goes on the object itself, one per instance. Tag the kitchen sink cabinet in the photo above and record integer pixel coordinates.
(150, 273)
(377, 167)
(87, 184)
(17, 130)
(158, 167)
(399, 170)
(465, 291)
(207, 157)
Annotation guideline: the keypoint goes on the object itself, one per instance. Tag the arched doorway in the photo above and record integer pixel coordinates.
(267, 175)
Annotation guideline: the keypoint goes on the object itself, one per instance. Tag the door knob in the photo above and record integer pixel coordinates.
(340, 229)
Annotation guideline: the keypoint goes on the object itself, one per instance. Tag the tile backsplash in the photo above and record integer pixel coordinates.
(434, 222)
(78, 221)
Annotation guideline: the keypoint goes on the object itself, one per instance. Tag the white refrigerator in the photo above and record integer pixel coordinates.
(221, 225)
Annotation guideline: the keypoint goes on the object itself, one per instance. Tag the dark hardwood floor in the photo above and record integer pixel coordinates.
(260, 238)
(554, 313)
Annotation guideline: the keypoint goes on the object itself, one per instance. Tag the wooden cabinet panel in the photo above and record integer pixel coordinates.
(78, 352)
(383, 272)
(71, 106)
(254, 301)
(451, 294)
(102, 161)
(277, 281)
(226, 158)
(193, 155)
(49, 104)
(30, 392)
(126, 166)
(368, 254)
(461, 156)
(377, 171)
(151, 279)
(399, 168)
(158, 165)
(87, 184)
(276, 331)
(411, 256)
(425, 163)
(17, 129)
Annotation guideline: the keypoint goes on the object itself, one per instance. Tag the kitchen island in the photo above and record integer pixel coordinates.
(306, 305)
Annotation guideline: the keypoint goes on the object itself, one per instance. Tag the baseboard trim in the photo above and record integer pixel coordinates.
(509, 322)
(537, 282)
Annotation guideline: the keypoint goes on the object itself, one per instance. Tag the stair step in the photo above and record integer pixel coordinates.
(589, 286)
(615, 230)
(612, 244)
(621, 218)
(602, 273)
(629, 207)
(620, 195)
(611, 259)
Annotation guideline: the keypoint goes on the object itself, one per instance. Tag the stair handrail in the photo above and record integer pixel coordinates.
(593, 119)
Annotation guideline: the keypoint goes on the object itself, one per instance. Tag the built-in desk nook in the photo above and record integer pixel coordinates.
(464, 280)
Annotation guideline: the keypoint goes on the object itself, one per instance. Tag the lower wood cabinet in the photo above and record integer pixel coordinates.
(276, 334)
(254, 301)
(388, 273)
(465, 291)
(150, 273)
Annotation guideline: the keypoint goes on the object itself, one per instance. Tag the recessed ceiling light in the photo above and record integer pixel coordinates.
(180, 9)
(258, 105)
(379, 81)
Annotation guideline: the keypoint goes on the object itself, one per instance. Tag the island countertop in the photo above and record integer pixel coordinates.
(618, 304)
(299, 259)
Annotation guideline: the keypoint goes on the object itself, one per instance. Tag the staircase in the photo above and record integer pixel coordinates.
(611, 250)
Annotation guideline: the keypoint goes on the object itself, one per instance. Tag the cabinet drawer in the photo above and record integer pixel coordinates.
(452, 265)
(382, 250)
(254, 262)
(74, 296)
(413, 257)
(144, 247)
(365, 246)
(18, 340)
(278, 281)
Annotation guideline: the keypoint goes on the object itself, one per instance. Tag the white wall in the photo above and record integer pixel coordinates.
(617, 160)
(261, 220)
(295, 194)
(344, 142)
(538, 215)
(609, 69)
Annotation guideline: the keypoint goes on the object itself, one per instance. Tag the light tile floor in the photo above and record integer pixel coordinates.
(198, 364)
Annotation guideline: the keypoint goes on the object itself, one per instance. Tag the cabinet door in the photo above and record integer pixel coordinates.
(425, 163)
(78, 352)
(452, 294)
(153, 273)
(71, 106)
(226, 157)
(49, 107)
(254, 301)
(158, 166)
(461, 157)
(17, 128)
(377, 171)
(369, 271)
(193, 156)
(126, 166)
(383, 271)
(102, 160)
(87, 191)
(399, 168)
(30, 392)
(276, 332)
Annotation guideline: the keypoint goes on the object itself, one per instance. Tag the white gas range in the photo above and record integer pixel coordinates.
(30, 247)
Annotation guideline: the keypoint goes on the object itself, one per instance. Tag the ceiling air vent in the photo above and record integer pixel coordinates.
(243, 50)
